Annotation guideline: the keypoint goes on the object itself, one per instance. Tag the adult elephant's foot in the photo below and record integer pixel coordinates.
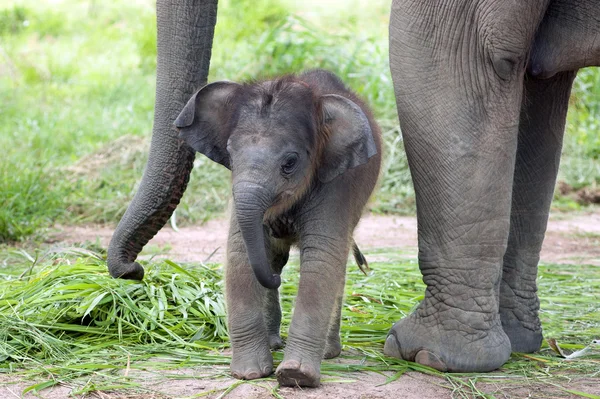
(252, 364)
(524, 333)
(299, 372)
(447, 344)
(519, 306)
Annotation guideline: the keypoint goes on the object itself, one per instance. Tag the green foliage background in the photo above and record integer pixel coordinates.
(77, 88)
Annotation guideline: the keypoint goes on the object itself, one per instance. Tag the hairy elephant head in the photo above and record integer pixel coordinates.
(568, 38)
(279, 138)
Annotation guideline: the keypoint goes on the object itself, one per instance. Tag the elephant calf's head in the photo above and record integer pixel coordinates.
(276, 137)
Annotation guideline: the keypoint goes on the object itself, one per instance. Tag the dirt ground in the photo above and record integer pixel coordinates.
(571, 238)
(209, 383)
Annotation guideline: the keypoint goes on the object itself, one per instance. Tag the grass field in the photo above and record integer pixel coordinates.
(63, 320)
(77, 83)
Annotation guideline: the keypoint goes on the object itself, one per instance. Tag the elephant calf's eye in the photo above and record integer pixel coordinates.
(289, 164)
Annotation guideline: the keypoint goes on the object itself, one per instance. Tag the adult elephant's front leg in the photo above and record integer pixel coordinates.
(458, 69)
(543, 115)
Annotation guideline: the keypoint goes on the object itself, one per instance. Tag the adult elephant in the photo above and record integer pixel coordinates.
(483, 144)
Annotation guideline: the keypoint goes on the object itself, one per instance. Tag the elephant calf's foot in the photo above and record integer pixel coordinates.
(524, 337)
(333, 348)
(275, 342)
(299, 373)
(252, 366)
(448, 350)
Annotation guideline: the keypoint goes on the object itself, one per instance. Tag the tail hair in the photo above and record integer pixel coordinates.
(360, 258)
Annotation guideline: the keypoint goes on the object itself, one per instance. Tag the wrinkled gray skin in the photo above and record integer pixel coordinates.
(568, 39)
(304, 154)
(483, 143)
(185, 34)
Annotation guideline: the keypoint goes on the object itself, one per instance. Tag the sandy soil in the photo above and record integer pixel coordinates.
(569, 239)
(192, 383)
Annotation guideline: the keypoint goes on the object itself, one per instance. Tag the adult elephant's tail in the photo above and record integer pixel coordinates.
(185, 35)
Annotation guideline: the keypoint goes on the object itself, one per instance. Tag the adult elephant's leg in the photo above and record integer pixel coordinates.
(185, 34)
(568, 38)
(458, 71)
(541, 128)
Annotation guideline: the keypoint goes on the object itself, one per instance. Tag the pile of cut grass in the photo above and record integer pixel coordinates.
(63, 318)
(66, 310)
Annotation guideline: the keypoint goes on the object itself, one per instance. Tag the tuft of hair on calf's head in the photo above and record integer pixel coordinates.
(288, 90)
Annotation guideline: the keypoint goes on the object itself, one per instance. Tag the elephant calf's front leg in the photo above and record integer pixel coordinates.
(245, 298)
(321, 280)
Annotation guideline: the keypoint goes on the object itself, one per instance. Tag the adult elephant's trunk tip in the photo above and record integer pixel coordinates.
(144, 218)
(120, 258)
(128, 271)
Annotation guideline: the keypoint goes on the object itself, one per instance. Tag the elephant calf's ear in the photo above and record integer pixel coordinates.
(203, 120)
(351, 143)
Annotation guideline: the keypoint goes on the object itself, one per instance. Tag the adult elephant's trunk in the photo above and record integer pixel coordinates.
(250, 207)
(185, 34)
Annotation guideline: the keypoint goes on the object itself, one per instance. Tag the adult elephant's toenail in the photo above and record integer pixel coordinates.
(430, 359)
(392, 347)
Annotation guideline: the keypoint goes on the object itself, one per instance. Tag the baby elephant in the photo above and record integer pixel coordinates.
(304, 153)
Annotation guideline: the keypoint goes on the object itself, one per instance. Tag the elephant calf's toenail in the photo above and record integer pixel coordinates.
(253, 375)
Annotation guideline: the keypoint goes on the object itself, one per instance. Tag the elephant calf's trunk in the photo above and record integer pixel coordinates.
(250, 220)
